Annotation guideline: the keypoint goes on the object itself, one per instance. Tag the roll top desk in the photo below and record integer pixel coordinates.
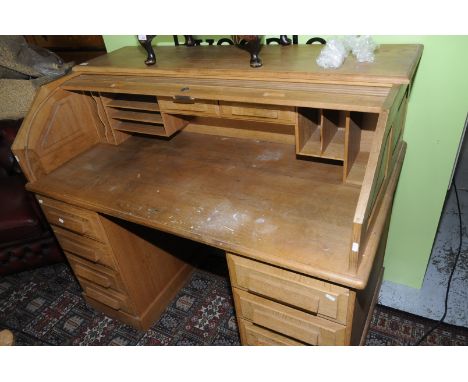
(288, 169)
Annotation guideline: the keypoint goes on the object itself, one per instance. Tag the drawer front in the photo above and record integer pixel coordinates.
(279, 114)
(88, 249)
(204, 107)
(95, 273)
(257, 336)
(293, 323)
(109, 297)
(73, 218)
(318, 297)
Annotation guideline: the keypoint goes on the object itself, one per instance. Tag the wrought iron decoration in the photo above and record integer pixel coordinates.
(250, 43)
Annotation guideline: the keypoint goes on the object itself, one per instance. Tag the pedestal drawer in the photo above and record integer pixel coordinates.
(73, 218)
(109, 297)
(293, 323)
(318, 297)
(257, 336)
(95, 273)
(88, 249)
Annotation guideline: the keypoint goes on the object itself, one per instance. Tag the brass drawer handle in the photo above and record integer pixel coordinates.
(183, 99)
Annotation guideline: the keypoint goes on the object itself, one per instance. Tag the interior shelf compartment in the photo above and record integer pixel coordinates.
(308, 131)
(341, 135)
(321, 133)
(360, 129)
(138, 113)
(138, 116)
(333, 123)
(140, 127)
(134, 102)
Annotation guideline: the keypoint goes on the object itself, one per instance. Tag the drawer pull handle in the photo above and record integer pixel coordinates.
(92, 276)
(290, 328)
(183, 99)
(79, 250)
(260, 285)
(74, 223)
(101, 297)
(330, 297)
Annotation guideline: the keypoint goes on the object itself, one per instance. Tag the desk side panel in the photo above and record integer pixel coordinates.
(154, 266)
(59, 126)
(380, 167)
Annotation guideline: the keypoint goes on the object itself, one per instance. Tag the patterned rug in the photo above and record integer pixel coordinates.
(45, 307)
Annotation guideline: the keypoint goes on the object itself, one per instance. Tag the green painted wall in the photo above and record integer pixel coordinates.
(434, 124)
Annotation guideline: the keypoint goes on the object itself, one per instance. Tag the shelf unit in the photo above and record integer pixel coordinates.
(136, 113)
(321, 133)
(360, 128)
(340, 135)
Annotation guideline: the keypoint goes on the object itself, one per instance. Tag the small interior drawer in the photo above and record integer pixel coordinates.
(204, 107)
(84, 247)
(257, 336)
(73, 218)
(258, 112)
(94, 273)
(291, 322)
(316, 296)
(109, 297)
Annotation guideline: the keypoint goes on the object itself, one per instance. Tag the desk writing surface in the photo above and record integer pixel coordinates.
(246, 196)
(394, 64)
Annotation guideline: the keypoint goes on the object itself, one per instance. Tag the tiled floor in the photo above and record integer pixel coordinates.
(429, 300)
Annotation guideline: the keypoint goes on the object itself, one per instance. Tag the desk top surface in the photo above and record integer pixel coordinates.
(394, 64)
(245, 196)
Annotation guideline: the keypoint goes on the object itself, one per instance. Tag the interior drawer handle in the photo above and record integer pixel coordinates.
(183, 99)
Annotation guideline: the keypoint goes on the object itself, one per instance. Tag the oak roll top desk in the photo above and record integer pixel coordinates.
(289, 169)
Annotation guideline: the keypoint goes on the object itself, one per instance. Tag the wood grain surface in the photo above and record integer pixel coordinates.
(244, 196)
(394, 64)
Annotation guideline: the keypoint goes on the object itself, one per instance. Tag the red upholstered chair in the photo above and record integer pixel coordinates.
(25, 238)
